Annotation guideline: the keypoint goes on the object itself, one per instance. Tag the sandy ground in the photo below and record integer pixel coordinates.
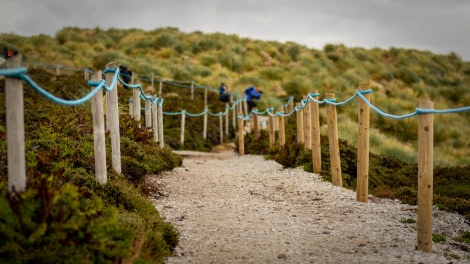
(245, 209)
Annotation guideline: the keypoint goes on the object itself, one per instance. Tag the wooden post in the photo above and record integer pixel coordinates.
(160, 126)
(153, 88)
(300, 125)
(131, 107)
(148, 113)
(136, 96)
(316, 141)
(57, 72)
(98, 132)
(282, 130)
(160, 88)
(226, 119)
(183, 119)
(256, 125)
(204, 125)
(241, 140)
(15, 128)
(425, 177)
(205, 97)
(362, 190)
(112, 117)
(272, 135)
(221, 129)
(192, 90)
(155, 121)
(234, 117)
(307, 126)
(333, 140)
(86, 74)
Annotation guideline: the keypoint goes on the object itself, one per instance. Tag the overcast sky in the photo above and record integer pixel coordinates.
(440, 26)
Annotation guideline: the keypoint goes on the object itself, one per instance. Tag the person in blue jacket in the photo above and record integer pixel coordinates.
(251, 93)
(224, 93)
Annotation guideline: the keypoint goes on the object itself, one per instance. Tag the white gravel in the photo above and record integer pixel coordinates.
(245, 209)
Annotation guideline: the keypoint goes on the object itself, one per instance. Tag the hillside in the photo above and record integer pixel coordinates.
(400, 77)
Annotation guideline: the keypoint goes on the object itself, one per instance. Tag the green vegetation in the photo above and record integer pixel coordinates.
(59, 140)
(400, 78)
(65, 216)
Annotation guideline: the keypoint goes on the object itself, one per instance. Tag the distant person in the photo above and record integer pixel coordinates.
(7, 53)
(125, 74)
(251, 93)
(224, 93)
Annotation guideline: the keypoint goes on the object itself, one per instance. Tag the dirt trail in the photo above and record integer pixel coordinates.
(245, 209)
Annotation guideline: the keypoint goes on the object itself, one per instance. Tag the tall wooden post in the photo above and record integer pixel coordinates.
(282, 130)
(226, 119)
(234, 117)
(316, 140)
(362, 190)
(160, 88)
(307, 126)
(98, 132)
(148, 113)
(333, 140)
(425, 177)
(241, 140)
(272, 133)
(112, 117)
(221, 130)
(160, 126)
(204, 125)
(131, 107)
(205, 97)
(155, 120)
(192, 90)
(183, 119)
(256, 125)
(300, 125)
(137, 103)
(15, 128)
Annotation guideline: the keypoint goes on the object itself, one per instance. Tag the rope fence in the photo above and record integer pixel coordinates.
(306, 112)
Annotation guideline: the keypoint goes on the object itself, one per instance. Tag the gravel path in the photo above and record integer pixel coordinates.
(245, 209)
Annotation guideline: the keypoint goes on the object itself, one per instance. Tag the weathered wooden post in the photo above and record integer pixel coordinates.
(241, 140)
(333, 142)
(307, 126)
(86, 74)
(137, 103)
(425, 177)
(183, 119)
(362, 190)
(131, 107)
(155, 120)
(300, 124)
(98, 132)
(282, 129)
(316, 140)
(112, 117)
(204, 125)
(272, 133)
(192, 90)
(234, 117)
(256, 125)
(148, 113)
(160, 88)
(205, 97)
(15, 128)
(153, 88)
(57, 72)
(227, 109)
(160, 126)
(221, 129)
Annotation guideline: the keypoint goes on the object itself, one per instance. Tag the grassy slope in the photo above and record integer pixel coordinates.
(400, 77)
